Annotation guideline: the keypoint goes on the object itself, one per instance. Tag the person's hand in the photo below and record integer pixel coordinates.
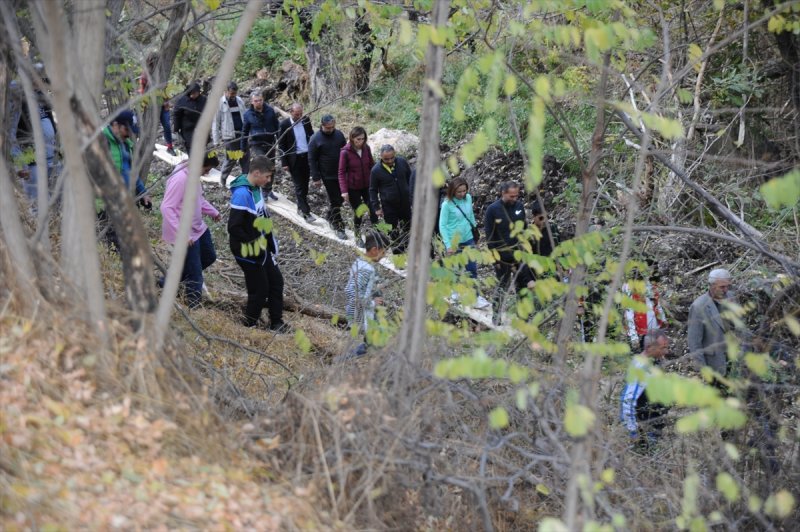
(451, 251)
(531, 284)
(146, 202)
(286, 169)
(346, 196)
(378, 300)
(217, 218)
(191, 242)
(317, 183)
(379, 213)
(24, 173)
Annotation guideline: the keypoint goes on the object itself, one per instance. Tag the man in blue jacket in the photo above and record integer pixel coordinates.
(260, 133)
(500, 219)
(255, 248)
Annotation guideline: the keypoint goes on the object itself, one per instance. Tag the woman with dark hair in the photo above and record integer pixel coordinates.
(355, 164)
(457, 225)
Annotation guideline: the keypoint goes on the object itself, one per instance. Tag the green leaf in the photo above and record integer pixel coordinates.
(684, 96)
(544, 490)
(776, 24)
(498, 418)
(780, 504)
(510, 85)
(782, 191)
(758, 364)
(302, 341)
(406, 31)
(578, 420)
(728, 487)
(792, 324)
(361, 210)
(551, 524)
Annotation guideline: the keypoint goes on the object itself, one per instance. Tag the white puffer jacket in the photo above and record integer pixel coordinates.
(222, 128)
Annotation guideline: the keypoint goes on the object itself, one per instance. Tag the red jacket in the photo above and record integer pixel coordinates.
(354, 170)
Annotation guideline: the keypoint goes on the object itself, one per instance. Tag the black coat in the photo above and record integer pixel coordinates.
(187, 114)
(497, 224)
(323, 154)
(391, 191)
(287, 141)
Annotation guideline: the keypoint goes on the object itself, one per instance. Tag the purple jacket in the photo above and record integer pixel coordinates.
(173, 201)
(354, 170)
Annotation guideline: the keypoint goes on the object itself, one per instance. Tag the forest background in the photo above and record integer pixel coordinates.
(661, 130)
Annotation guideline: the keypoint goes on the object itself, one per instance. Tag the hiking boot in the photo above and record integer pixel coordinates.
(309, 217)
(280, 327)
(223, 181)
(171, 151)
(272, 196)
(340, 234)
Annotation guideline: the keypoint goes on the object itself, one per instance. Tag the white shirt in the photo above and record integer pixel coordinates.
(300, 140)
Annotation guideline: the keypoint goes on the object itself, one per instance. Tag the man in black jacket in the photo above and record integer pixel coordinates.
(526, 278)
(500, 219)
(323, 159)
(187, 114)
(390, 193)
(295, 133)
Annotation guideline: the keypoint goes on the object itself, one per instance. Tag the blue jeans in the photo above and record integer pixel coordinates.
(472, 267)
(165, 125)
(199, 256)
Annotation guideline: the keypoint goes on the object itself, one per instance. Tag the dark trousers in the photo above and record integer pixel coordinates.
(335, 197)
(400, 222)
(357, 198)
(264, 284)
(504, 271)
(301, 173)
(165, 124)
(229, 163)
(199, 256)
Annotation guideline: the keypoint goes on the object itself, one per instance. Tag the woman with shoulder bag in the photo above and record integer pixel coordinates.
(458, 227)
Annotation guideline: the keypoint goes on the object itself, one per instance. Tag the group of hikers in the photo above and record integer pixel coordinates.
(252, 137)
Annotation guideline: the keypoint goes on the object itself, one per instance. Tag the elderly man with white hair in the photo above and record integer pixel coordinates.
(707, 328)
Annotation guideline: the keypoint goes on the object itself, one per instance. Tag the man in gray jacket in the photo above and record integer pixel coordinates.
(707, 328)
(226, 131)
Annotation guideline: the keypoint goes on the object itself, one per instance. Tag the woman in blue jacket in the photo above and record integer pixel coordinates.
(456, 225)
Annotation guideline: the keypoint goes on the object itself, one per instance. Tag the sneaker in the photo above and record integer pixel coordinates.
(280, 327)
(341, 235)
(481, 303)
(223, 181)
(273, 196)
(171, 151)
(309, 217)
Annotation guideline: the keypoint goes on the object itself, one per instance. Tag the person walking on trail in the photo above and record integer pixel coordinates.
(144, 85)
(644, 419)
(187, 114)
(295, 134)
(458, 227)
(363, 288)
(255, 249)
(390, 194)
(643, 290)
(543, 246)
(260, 134)
(200, 253)
(503, 220)
(355, 165)
(707, 328)
(323, 159)
(226, 130)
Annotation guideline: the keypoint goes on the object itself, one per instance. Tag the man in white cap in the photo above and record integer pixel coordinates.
(707, 328)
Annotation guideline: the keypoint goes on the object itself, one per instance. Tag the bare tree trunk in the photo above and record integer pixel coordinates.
(364, 46)
(195, 166)
(79, 257)
(412, 334)
(324, 87)
(170, 45)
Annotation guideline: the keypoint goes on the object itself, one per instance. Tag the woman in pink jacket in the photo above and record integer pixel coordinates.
(355, 164)
(201, 253)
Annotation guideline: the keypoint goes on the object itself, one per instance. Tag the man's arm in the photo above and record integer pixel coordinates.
(374, 197)
(216, 126)
(313, 159)
(245, 132)
(177, 119)
(630, 394)
(489, 228)
(694, 336)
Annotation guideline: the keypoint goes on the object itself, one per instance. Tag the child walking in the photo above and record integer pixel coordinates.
(362, 290)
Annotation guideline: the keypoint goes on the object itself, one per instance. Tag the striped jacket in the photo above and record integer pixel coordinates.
(360, 291)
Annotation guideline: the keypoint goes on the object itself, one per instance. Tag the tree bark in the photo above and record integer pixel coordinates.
(412, 333)
(168, 51)
(81, 263)
(364, 46)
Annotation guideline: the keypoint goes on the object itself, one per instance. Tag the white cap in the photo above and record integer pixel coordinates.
(720, 274)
